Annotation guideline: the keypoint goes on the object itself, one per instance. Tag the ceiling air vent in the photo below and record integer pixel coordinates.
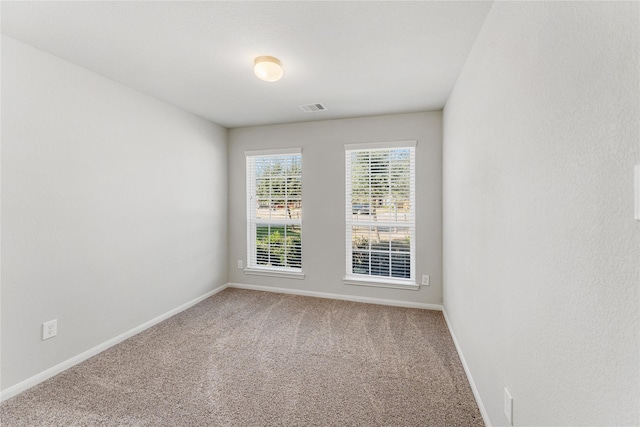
(312, 108)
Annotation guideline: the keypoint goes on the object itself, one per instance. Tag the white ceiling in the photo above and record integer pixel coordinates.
(357, 58)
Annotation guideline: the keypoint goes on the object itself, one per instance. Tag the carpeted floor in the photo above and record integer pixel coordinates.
(248, 358)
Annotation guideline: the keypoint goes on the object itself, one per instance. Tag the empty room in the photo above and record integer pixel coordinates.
(320, 213)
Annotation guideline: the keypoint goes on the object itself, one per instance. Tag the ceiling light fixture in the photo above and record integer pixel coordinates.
(268, 68)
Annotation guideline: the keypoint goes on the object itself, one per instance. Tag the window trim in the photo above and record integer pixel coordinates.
(285, 272)
(384, 282)
(274, 272)
(272, 152)
(366, 146)
(380, 281)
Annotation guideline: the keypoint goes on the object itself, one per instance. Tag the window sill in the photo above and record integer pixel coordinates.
(274, 273)
(381, 283)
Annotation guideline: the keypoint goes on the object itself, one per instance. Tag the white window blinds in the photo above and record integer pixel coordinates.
(274, 209)
(380, 211)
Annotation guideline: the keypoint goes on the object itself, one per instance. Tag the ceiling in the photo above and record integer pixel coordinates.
(357, 58)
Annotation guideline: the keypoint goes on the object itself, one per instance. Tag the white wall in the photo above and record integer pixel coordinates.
(323, 182)
(113, 209)
(541, 251)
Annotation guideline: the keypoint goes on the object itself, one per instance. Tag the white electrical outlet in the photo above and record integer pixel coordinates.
(239, 264)
(49, 329)
(508, 406)
(425, 280)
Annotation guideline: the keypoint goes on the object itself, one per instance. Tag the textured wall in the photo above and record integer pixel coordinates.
(113, 209)
(541, 251)
(323, 196)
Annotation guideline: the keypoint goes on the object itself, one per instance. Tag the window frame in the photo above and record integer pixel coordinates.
(352, 278)
(252, 267)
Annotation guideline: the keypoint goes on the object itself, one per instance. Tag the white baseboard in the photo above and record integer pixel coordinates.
(368, 300)
(476, 393)
(45, 375)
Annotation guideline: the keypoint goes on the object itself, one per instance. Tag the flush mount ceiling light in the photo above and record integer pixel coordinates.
(268, 68)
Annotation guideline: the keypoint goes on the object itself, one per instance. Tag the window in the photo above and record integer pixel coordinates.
(274, 211)
(380, 213)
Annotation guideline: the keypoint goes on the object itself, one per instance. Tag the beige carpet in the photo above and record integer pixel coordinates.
(247, 358)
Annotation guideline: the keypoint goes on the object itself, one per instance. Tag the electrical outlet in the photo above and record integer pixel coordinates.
(425, 280)
(49, 329)
(239, 264)
(508, 406)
